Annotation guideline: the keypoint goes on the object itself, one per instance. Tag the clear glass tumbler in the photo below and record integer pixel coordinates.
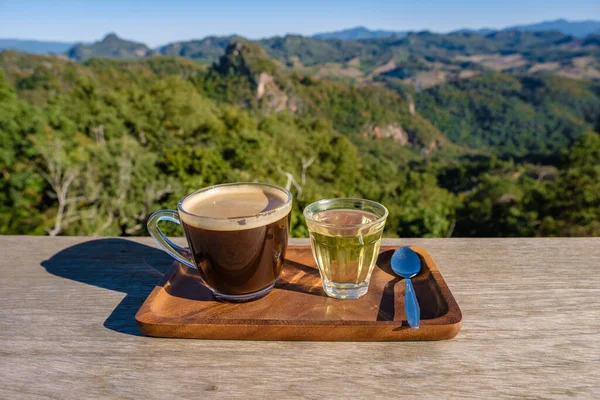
(345, 236)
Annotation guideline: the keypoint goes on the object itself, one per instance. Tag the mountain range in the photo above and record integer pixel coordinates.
(577, 29)
(418, 59)
(414, 59)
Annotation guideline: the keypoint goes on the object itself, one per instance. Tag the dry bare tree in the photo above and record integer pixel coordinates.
(411, 103)
(61, 175)
(98, 132)
(291, 181)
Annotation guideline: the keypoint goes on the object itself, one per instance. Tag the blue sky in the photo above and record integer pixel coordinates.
(159, 22)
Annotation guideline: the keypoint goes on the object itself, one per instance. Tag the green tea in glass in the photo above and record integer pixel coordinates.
(345, 236)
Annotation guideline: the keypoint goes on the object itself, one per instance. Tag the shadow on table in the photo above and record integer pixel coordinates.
(431, 303)
(115, 264)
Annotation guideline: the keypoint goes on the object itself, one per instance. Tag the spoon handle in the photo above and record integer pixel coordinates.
(411, 307)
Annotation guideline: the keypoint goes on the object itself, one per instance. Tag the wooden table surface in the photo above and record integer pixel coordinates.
(531, 329)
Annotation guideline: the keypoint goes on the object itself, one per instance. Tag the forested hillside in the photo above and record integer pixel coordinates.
(514, 115)
(93, 148)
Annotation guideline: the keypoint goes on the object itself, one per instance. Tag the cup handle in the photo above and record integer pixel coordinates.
(177, 252)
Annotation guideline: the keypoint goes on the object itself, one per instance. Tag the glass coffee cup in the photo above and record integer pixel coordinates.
(237, 235)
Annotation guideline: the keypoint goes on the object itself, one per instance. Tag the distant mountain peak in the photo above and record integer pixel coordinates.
(111, 37)
(110, 46)
(208, 49)
(360, 28)
(246, 58)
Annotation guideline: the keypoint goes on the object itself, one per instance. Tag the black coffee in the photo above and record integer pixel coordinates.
(238, 236)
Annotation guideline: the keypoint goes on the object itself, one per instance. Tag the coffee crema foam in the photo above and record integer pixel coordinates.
(232, 208)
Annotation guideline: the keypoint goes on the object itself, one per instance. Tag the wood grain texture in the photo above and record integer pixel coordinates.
(298, 309)
(531, 323)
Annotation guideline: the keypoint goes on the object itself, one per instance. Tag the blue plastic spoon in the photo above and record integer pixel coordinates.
(406, 263)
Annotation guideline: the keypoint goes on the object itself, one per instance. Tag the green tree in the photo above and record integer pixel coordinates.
(570, 206)
(21, 189)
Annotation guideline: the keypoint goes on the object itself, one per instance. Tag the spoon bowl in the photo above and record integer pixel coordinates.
(405, 262)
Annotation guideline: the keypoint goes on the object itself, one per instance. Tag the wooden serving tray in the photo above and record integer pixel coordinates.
(298, 309)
